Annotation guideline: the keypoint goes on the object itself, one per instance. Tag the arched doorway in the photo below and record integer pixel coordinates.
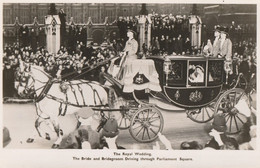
(98, 36)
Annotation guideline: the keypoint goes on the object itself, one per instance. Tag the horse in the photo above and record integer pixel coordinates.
(54, 98)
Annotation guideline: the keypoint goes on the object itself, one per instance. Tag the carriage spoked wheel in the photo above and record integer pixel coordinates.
(226, 105)
(202, 114)
(146, 123)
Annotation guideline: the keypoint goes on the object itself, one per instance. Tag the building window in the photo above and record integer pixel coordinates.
(93, 13)
(110, 13)
(41, 15)
(7, 16)
(25, 14)
(76, 14)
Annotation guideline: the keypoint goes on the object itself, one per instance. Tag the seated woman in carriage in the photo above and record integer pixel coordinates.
(196, 74)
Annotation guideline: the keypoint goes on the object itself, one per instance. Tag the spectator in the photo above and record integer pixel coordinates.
(162, 43)
(216, 43)
(156, 46)
(8, 80)
(167, 43)
(62, 16)
(174, 46)
(179, 45)
(33, 40)
(219, 138)
(24, 32)
(187, 46)
(101, 75)
(208, 48)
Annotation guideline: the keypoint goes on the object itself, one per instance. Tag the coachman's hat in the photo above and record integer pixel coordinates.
(224, 30)
(130, 30)
(219, 123)
(217, 28)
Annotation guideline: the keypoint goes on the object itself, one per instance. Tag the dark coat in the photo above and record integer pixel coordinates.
(179, 46)
(24, 32)
(33, 41)
(8, 82)
(84, 36)
(174, 46)
(187, 46)
(162, 45)
(88, 52)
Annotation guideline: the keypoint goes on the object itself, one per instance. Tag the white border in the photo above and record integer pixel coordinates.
(22, 158)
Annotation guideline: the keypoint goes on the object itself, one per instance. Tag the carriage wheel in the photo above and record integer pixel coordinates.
(203, 114)
(226, 104)
(145, 124)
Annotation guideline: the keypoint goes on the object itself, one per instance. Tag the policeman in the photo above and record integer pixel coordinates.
(225, 51)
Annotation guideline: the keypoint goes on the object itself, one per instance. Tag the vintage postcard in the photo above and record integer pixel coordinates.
(129, 83)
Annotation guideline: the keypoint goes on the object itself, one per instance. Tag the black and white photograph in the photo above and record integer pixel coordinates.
(146, 84)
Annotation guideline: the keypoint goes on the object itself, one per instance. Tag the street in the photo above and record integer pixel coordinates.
(20, 118)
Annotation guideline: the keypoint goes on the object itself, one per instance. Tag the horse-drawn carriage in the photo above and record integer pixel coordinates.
(194, 84)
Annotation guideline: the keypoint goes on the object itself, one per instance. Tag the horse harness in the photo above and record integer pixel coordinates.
(45, 90)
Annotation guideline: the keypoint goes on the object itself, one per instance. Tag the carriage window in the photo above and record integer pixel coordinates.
(196, 73)
(177, 75)
(215, 72)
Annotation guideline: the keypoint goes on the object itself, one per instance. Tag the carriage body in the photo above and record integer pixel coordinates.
(190, 81)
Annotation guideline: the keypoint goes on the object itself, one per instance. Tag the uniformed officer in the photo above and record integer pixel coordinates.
(225, 51)
(131, 46)
(215, 47)
(225, 45)
(129, 52)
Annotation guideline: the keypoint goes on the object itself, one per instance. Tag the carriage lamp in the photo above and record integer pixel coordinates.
(228, 69)
(167, 68)
(167, 65)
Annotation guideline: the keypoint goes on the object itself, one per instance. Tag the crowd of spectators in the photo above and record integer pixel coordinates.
(61, 65)
(125, 23)
(37, 38)
(244, 57)
(33, 37)
(240, 32)
(170, 34)
(76, 34)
